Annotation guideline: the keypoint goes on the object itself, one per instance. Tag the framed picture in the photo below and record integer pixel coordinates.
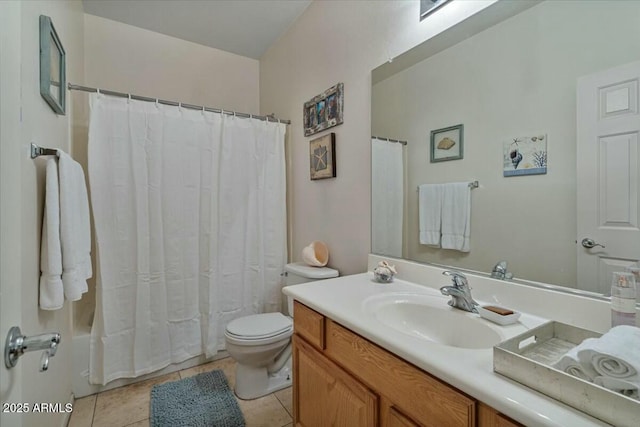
(52, 66)
(427, 7)
(525, 155)
(322, 153)
(447, 143)
(324, 111)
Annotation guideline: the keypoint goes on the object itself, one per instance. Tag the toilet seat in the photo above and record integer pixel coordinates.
(259, 329)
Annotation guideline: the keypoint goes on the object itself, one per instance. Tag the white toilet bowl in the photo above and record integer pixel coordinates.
(261, 343)
(261, 346)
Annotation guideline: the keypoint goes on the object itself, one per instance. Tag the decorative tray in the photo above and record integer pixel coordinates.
(526, 358)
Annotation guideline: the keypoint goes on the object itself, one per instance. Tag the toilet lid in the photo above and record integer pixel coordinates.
(260, 325)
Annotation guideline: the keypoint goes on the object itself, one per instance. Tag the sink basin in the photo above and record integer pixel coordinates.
(429, 317)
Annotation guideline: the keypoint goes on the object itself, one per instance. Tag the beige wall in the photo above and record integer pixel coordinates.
(514, 79)
(331, 42)
(31, 119)
(128, 59)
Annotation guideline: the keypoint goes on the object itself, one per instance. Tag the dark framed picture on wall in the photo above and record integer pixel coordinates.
(324, 111)
(322, 155)
(52, 66)
(447, 143)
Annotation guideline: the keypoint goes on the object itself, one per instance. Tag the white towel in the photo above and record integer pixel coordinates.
(75, 230)
(570, 363)
(456, 216)
(628, 388)
(615, 354)
(51, 289)
(429, 213)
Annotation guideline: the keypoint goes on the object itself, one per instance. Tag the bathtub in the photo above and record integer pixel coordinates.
(80, 385)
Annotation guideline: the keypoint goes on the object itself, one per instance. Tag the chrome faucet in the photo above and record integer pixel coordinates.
(17, 344)
(500, 271)
(459, 291)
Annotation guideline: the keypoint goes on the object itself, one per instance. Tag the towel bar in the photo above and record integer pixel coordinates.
(472, 185)
(37, 151)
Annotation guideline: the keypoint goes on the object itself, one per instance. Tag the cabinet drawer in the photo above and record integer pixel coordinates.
(396, 419)
(413, 391)
(308, 324)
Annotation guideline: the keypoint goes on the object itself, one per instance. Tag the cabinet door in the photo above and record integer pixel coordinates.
(489, 417)
(325, 395)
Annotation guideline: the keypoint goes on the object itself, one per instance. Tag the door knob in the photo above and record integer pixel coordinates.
(590, 243)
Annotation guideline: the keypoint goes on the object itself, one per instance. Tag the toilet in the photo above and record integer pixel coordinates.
(261, 343)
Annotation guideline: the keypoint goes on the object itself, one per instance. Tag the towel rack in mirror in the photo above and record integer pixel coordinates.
(472, 185)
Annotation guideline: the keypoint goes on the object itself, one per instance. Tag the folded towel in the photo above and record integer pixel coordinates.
(75, 231)
(429, 213)
(615, 354)
(628, 388)
(570, 363)
(456, 216)
(51, 289)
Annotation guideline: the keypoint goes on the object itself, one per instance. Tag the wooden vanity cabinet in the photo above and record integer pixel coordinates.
(342, 379)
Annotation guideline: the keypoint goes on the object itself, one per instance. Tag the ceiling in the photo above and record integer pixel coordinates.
(243, 27)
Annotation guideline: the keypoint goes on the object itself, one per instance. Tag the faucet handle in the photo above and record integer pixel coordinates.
(458, 278)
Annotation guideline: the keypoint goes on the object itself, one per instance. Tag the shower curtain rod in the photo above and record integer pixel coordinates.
(270, 118)
(390, 140)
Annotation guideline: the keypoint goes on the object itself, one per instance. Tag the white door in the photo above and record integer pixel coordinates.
(10, 202)
(608, 163)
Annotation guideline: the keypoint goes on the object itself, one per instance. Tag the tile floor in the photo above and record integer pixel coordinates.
(129, 406)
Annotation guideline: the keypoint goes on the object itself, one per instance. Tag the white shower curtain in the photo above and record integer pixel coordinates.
(190, 223)
(387, 197)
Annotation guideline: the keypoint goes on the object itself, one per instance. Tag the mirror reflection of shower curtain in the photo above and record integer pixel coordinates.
(190, 223)
(387, 197)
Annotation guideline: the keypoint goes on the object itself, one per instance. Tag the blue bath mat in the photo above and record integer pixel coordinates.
(203, 400)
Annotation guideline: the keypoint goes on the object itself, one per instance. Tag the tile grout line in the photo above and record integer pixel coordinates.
(282, 404)
(93, 413)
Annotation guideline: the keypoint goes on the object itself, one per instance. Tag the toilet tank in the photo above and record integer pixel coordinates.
(299, 272)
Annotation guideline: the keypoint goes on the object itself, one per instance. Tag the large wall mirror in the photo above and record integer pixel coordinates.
(516, 78)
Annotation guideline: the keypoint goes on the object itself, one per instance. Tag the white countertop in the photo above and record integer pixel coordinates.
(469, 370)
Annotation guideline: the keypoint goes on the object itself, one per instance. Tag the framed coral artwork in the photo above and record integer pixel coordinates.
(447, 143)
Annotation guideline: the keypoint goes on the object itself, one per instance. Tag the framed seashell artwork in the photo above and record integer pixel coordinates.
(447, 143)
(525, 155)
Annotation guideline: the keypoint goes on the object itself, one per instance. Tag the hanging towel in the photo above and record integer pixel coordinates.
(429, 212)
(570, 363)
(75, 231)
(628, 388)
(456, 216)
(51, 289)
(615, 354)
